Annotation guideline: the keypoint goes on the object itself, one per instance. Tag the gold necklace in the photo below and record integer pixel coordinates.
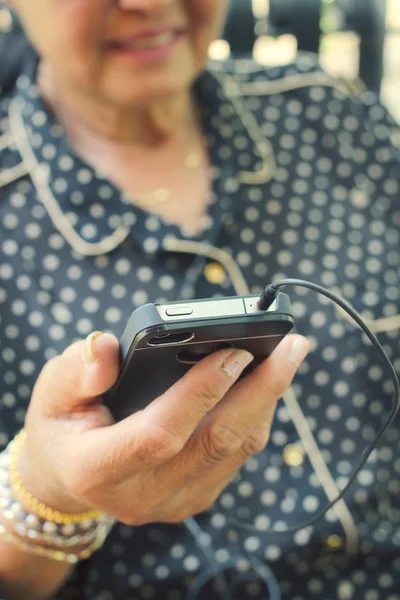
(192, 162)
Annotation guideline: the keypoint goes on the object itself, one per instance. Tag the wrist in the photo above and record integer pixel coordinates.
(39, 529)
(25, 575)
(44, 485)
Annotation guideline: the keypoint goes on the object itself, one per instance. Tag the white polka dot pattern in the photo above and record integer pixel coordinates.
(330, 213)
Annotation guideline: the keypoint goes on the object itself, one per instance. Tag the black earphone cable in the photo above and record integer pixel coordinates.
(266, 299)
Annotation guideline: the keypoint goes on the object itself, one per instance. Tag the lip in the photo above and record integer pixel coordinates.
(149, 33)
(144, 51)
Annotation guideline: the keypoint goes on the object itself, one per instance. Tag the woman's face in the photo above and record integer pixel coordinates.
(123, 51)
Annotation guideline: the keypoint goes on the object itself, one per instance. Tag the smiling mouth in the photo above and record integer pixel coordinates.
(154, 41)
(148, 42)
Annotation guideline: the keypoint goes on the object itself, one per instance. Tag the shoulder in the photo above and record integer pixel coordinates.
(303, 86)
(255, 79)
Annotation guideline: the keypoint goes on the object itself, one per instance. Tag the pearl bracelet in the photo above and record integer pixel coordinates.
(37, 507)
(88, 532)
(58, 555)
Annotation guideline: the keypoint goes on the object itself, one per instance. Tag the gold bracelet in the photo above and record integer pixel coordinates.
(57, 555)
(31, 503)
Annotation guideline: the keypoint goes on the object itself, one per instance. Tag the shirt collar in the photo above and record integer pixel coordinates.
(92, 214)
(243, 149)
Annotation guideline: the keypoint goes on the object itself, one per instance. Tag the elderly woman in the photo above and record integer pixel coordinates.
(133, 170)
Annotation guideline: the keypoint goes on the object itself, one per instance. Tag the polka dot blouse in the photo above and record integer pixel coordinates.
(305, 183)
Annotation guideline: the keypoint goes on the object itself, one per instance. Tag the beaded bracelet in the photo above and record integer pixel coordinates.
(31, 503)
(88, 532)
(30, 526)
(58, 555)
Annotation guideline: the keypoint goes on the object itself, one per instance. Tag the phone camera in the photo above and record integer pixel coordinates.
(169, 339)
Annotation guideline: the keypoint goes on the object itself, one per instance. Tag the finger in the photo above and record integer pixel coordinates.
(197, 497)
(222, 433)
(74, 380)
(159, 432)
(257, 439)
(183, 406)
(255, 443)
(200, 493)
(205, 490)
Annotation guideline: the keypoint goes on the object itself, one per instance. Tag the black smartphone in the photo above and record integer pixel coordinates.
(163, 341)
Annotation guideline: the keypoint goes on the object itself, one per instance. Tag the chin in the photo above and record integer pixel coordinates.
(142, 89)
(131, 97)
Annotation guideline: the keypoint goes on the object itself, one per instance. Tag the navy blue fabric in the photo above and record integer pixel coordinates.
(329, 213)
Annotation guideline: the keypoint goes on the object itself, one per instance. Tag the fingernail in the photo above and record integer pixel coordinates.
(236, 362)
(89, 353)
(299, 350)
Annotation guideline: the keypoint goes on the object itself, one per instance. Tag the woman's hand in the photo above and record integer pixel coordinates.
(165, 463)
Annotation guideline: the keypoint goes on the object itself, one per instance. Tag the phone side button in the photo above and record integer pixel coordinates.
(179, 312)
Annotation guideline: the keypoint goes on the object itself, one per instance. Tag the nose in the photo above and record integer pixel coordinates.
(144, 5)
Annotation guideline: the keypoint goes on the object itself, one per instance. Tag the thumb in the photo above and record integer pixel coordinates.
(75, 380)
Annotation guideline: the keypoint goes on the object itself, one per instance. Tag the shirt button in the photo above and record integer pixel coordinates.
(293, 455)
(228, 220)
(214, 273)
(334, 542)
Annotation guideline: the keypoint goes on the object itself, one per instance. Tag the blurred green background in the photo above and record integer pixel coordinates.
(339, 50)
(338, 47)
